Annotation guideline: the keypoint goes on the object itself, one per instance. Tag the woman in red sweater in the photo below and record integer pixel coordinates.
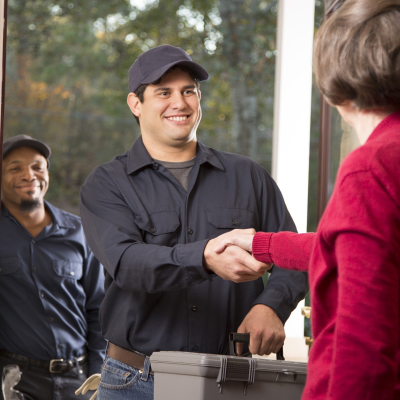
(354, 257)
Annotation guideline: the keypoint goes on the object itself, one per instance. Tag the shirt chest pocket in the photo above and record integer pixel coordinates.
(13, 282)
(68, 269)
(160, 228)
(222, 220)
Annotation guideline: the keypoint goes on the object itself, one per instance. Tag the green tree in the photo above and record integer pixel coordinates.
(67, 64)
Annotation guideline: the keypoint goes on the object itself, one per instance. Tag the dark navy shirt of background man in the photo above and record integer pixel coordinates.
(51, 285)
(166, 289)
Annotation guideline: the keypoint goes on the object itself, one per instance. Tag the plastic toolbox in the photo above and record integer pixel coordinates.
(194, 376)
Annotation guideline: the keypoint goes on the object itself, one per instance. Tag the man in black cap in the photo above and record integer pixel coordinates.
(51, 285)
(149, 215)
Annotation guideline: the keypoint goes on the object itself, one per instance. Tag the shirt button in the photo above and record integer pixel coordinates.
(34, 269)
(33, 242)
(153, 230)
(51, 319)
(234, 222)
(155, 166)
(194, 308)
(195, 348)
(60, 346)
(190, 231)
(42, 294)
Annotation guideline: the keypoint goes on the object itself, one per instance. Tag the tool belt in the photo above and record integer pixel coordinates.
(56, 366)
(133, 359)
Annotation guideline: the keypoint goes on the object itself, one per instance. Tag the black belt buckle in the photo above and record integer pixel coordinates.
(53, 366)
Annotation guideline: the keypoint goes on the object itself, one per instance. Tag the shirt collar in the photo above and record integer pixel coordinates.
(205, 154)
(138, 156)
(57, 216)
(4, 211)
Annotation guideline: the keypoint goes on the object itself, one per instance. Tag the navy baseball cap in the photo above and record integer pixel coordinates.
(154, 63)
(25, 140)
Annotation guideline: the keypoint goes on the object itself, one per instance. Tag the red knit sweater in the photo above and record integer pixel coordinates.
(354, 270)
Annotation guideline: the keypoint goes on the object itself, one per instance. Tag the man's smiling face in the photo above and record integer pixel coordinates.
(25, 177)
(170, 112)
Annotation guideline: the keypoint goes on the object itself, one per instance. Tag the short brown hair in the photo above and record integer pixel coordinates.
(140, 90)
(357, 54)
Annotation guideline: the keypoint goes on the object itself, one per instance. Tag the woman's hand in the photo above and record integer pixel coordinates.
(238, 237)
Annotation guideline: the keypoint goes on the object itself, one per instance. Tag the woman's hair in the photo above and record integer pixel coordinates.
(357, 54)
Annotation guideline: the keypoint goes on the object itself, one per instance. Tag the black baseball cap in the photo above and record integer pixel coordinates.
(25, 140)
(154, 63)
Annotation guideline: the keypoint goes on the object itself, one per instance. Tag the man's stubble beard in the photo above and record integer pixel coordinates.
(29, 205)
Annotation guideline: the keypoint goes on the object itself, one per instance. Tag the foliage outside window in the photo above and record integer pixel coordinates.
(67, 69)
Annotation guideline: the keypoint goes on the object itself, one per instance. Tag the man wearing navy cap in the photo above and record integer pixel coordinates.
(51, 285)
(149, 215)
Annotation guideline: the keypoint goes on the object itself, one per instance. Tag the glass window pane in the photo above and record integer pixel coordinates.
(334, 157)
(314, 138)
(67, 76)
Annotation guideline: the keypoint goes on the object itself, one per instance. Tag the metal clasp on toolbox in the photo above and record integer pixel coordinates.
(236, 369)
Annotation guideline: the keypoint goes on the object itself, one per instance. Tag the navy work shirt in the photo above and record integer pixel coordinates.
(51, 288)
(150, 234)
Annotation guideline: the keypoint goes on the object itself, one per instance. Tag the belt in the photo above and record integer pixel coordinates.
(127, 357)
(56, 366)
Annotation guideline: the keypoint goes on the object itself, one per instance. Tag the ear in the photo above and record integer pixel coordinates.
(199, 94)
(134, 104)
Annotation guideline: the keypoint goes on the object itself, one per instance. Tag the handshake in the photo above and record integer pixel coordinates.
(229, 256)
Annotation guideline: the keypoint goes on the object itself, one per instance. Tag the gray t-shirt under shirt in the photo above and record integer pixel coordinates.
(180, 170)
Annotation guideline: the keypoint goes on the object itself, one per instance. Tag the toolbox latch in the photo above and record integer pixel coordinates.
(236, 369)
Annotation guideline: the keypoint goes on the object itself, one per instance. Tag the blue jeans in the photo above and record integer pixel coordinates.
(122, 382)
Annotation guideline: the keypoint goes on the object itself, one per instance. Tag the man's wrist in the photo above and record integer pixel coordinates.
(205, 258)
(266, 309)
(271, 309)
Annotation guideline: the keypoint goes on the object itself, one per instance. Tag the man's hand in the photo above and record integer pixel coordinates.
(266, 331)
(238, 237)
(234, 264)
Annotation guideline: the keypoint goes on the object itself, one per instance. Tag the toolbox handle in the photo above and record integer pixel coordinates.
(235, 337)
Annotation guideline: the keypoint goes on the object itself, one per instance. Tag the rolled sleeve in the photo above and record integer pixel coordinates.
(284, 290)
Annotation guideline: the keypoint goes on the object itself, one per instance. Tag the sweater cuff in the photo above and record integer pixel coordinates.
(261, 246)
